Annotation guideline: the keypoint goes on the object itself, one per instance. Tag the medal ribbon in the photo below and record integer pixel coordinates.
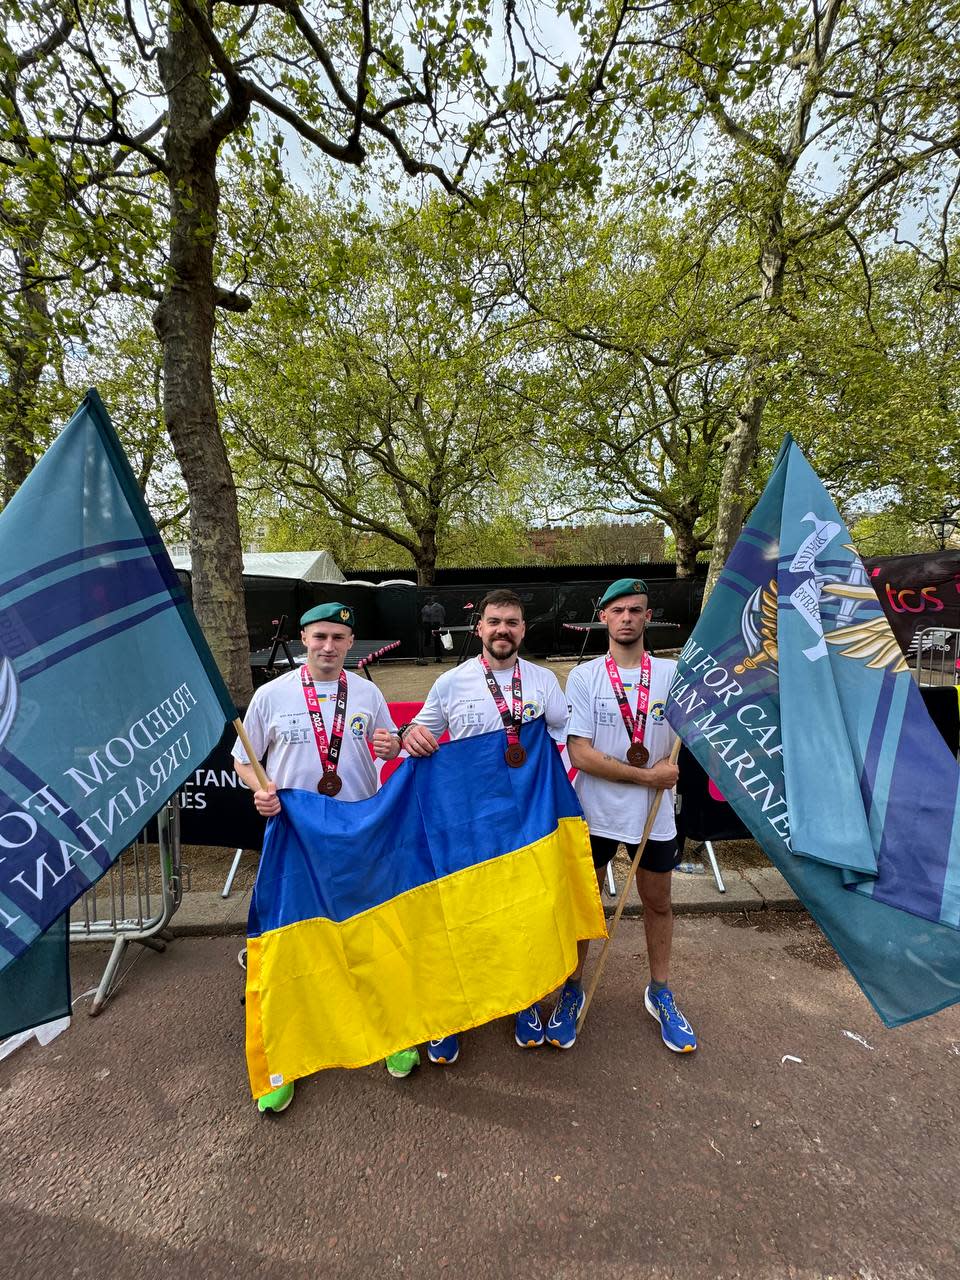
(635, 728)
(329, 754)
(510, 722)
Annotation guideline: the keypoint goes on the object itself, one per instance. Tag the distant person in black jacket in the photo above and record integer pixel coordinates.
(433, 618)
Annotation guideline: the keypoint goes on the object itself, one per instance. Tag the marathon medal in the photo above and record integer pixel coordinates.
(329, 753)
(515, 755)
(637, 753)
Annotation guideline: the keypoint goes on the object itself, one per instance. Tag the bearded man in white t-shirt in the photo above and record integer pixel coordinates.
(620, 742)
(311, 727)
(462, 701)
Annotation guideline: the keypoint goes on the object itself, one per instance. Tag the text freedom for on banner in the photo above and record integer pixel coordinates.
(109, 697)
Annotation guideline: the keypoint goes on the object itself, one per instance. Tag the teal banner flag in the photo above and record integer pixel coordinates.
(795, 697)
(109, 697)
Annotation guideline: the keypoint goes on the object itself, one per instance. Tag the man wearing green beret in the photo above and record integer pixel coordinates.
(620, 743)
(311, 728)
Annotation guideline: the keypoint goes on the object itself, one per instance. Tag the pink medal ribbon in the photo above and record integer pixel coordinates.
(514, 755)
(637, 753)
(331, 782)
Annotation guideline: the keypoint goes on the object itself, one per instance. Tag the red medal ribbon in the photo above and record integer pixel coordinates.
(329, 754)
(510, 722)
(635, 728)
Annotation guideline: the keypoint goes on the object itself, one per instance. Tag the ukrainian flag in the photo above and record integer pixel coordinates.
(455, 895)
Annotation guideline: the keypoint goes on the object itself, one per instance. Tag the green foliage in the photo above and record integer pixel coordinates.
(381, 380)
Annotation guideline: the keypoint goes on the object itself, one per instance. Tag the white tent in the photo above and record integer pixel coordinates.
(303, 566)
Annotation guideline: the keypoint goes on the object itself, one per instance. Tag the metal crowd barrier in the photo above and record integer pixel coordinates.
(135, 900)
(937, 655)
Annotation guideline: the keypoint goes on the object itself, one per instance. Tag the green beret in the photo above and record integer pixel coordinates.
(623, 587)
(335, 612)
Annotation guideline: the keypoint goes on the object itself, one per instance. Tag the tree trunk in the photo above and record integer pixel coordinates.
(426, 558)
(27, 357)
(184, 321)
(743, 441)
(687, 547)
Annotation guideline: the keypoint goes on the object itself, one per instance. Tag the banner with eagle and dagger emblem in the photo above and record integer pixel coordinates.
(794, 696)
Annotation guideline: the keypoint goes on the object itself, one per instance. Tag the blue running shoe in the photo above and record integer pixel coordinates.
(528, 1029)
(676, 1031)
(562, 1027)
(444, 1052)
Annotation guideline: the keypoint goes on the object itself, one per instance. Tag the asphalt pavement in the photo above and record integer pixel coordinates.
(132, 1147)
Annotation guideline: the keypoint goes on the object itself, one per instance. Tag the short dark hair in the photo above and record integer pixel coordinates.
(501, 596)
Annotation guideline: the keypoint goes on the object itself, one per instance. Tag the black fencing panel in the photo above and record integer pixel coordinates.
(673, 601)
(540, 615)
(362, 600)
(575, 603)
(265, 601)
(398, 617)
(215, 807)
(944, 708)
(700, 815)
(393, 612)
(459, 604)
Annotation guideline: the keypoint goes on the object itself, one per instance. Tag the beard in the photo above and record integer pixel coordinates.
(627, 635)
(502, 647)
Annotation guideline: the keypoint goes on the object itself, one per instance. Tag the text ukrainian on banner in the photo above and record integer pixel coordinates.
(793, 694)
(109, 697)
(455, 895)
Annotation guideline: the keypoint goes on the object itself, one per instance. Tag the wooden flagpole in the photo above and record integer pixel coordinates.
(251, 755)
(647, 827)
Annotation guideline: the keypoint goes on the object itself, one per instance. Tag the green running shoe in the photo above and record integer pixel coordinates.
(401, 1064)
(276, 1101)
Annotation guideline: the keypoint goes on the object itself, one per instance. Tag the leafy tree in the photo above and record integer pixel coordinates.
(409, 84)
(381, 382)
(640, 311)
(872, 392)
(852, 107)
(71, 216)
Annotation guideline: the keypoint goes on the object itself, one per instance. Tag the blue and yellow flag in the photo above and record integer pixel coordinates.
(455, 895)
(794, 696)
(109, 697)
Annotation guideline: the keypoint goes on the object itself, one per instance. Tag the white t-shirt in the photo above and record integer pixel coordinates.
(619, 809)
(461, 701)
(279, 726)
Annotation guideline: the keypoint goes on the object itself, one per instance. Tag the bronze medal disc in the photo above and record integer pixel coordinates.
(637, 755)
(515, 755)
(329, 784)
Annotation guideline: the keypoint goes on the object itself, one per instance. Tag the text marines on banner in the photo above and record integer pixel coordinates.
(794, 696)
(109, 696)
(436, 906)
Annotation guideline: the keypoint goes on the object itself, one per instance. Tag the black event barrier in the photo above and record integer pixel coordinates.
(392, 610)
(943, 703)
(215, 806)
(915, 591)
(700, 814)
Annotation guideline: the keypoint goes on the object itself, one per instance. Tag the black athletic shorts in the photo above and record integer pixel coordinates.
(659, 855)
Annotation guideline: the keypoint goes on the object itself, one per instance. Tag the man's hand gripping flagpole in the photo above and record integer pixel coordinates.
(647, 828)
(251, 754)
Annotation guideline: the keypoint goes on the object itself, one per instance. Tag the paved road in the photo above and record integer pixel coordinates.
(131, 1147)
